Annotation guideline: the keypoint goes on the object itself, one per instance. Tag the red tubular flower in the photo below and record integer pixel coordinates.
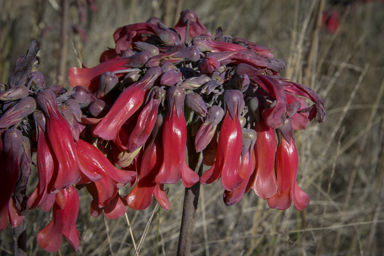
(89, 77)
(61, 141)
(112, 178)
(63, 222)
(207, 130)
(174, 165)
(45, 166)
(11, 144)
(286, 172)
(146, 121)
(126, 105)
(246, 167)
(229, 146)
(140, 196)
(113, 210)
(265, 149)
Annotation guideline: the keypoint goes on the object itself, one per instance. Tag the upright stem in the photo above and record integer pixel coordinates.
(191, 198)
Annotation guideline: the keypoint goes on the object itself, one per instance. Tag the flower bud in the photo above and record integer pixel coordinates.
(171, 78)
(152, 49)
(195, 102)
(82, 95)
(14, 93)
(108, 81)
(17, 112)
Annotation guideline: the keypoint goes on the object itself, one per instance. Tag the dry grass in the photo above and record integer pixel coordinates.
(341, 161)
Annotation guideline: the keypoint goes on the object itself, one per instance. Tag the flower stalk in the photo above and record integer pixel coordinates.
(191, 199)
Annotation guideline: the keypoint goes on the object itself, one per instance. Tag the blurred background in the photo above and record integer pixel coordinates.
(334, 47)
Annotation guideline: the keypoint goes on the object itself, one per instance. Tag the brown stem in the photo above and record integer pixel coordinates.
(191, 198)
(20, 240)
(63, 42)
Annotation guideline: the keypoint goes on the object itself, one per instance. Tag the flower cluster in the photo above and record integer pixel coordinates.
(128, 120)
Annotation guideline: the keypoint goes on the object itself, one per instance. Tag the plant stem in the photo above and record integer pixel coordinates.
(20, 240)
(191, 198)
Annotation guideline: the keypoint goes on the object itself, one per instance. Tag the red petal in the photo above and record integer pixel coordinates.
(116, 208)
(161, 196)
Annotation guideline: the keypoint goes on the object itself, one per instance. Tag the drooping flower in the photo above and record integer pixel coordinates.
(140, 196)
(126, 105)
(146, 120)
(174, 165)
(264, 184)
(10, 149)
(246, 167)
(286, 172)
(229, 145)
(64, 216)
(105, 189)
(61, 140)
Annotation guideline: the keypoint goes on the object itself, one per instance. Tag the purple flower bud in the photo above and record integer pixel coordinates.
(152, 49)
(249, 140)
(130, 78)
(23, 65)
(36, 80)
(127, 53)
(14, 93)
(75, 108)
(209, 65)
(234, 102)
(195, 82)
(195, 102)
(167, 66)
(139, 59)
(207, 130)
(82, 95)
(98, 108)
(187, 54)
(176, 97)
(72, 120)
(241, 82)
(108, 81)
(171, 77)
(209, 87)
(17, 112)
